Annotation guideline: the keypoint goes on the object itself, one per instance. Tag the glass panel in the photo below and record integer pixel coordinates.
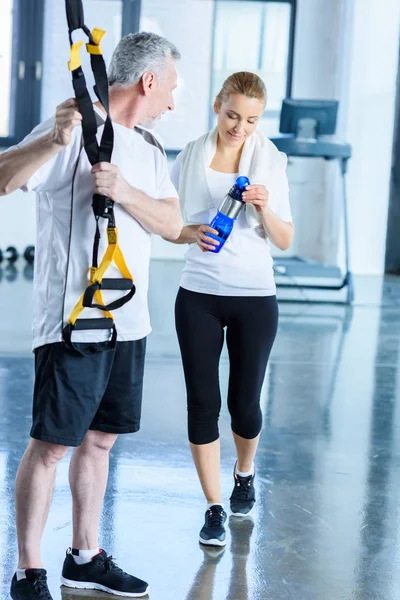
(253, 36)
(5, 65)
(189, 25)
(274, 50)
(56, 79)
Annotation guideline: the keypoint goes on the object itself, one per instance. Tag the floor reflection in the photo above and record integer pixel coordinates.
(325, 524)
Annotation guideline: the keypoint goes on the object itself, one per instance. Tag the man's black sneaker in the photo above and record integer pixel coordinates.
(213, 531)
(34, 587)
(243, 495)
(101, 573)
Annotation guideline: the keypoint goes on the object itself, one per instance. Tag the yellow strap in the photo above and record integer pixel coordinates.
(75, 57)
(78, 308)
(113, 253)
(98, 274)
(112, 235)
(97, 35)
(121, 264)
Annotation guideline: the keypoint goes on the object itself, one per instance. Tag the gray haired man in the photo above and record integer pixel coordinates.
(85, 401)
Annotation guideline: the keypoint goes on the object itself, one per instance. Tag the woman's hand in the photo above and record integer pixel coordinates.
(257, 195)
(204, 241)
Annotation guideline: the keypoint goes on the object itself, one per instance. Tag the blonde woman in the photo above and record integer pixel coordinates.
(232, 291)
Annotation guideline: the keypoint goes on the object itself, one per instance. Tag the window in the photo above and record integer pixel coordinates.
(21, 33)
(116, 17)
(217, 38)
(257, 36)
(32, 28)
(5, 65)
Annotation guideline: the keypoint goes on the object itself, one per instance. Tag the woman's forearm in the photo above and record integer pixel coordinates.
(187, 235)
(279, 232)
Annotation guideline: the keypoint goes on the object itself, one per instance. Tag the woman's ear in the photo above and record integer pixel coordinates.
(217, 107)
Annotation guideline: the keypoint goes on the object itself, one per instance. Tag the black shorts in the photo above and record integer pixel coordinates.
(75, 393)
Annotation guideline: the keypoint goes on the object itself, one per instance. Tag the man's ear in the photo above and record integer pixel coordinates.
(148, 82)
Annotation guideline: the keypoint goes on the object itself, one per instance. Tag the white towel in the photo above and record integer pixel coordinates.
(261, 162)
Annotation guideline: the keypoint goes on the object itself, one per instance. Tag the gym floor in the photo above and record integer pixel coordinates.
(325, 525)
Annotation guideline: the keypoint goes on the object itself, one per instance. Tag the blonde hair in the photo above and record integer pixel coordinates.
(245, 83)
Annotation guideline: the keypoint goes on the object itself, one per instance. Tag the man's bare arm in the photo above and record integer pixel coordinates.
(18, 166)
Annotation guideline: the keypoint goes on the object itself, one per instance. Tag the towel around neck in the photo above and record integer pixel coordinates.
(260, 161)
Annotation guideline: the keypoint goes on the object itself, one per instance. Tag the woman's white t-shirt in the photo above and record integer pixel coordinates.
(243, 267)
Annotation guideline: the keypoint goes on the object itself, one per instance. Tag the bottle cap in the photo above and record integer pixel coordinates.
(241, 183)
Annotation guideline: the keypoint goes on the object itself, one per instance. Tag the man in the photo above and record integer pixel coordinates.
(86, 401)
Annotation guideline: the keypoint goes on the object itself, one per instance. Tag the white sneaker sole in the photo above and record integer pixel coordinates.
(213, 542)
(89, 585)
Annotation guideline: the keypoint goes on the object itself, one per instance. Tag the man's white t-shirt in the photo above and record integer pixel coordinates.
(243, 266)
(66, 226)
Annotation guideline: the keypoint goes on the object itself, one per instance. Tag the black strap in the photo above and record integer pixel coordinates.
(75, 17)
(109, 284)
(89, 123)
(102, 206)
(87, 349)
(96, 153)
(101, 91)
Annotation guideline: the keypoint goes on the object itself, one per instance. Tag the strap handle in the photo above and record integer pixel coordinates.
(75, 17)
(109, 284)
(87, 349)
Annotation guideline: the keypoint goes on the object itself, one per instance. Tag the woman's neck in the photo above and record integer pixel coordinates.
(226, 159)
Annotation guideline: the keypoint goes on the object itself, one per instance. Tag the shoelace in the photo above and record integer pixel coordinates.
(110, 565)
(215, 517)
(242, 488)
(40, 587)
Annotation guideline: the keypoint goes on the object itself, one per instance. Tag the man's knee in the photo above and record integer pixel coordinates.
(49, 454)
(99, 441)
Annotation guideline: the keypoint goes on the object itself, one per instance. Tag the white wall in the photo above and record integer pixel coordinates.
(369, 100)
(345, 49)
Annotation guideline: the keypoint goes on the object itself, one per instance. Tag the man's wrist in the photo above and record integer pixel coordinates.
(51, 141)
(129, 196)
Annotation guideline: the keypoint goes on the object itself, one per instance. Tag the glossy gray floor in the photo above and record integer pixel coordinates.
(326, 523)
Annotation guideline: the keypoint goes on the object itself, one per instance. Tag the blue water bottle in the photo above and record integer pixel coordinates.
(228, 212)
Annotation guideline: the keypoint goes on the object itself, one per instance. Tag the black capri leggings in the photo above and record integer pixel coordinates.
(251, 323)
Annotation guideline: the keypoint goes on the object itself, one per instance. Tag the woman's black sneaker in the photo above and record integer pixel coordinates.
(243, 495)
(101, 573)
(33, 587)
(213, 531)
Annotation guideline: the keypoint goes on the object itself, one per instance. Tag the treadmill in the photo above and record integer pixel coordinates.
(307, 130)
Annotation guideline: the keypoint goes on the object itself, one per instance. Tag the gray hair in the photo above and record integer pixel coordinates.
(137, 53)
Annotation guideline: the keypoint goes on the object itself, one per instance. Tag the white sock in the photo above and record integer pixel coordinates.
(210, 504)
(84, 556)
(20, 574)
(241, 474)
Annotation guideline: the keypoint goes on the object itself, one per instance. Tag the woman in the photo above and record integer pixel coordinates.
(233, 289)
